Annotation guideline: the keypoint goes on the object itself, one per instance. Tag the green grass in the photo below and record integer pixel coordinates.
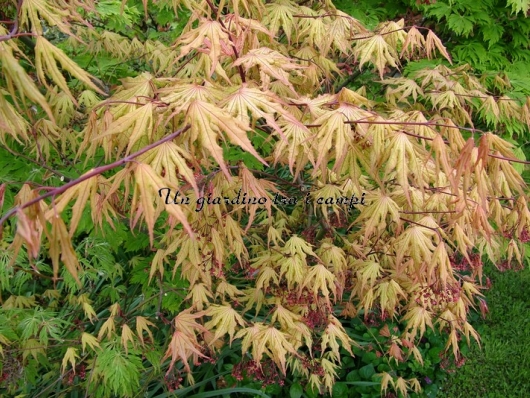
(501, 369)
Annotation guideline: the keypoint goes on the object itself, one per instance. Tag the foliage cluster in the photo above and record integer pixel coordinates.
(111, 287)
(491, 35)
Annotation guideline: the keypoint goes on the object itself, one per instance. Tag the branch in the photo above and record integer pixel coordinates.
(94, 172)
(14, 30)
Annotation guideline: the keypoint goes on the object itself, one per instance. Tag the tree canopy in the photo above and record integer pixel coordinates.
(185, 182)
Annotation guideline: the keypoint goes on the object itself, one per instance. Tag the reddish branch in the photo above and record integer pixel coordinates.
(98, 170)
(14, 30)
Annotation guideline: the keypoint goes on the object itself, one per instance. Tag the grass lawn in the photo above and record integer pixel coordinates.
(501, 369)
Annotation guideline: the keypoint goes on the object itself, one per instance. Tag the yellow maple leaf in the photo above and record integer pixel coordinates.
(91, 341)
(142, 324)
(333, 333)
(147, 184)
(46, 58)
(274, 343)
(376, 50)
(224, 319)
(69, 357)
(208, 121)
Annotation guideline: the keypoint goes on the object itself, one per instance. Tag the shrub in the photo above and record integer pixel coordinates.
(218, 182)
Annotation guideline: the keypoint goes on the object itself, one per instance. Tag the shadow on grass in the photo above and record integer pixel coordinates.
(501, 369)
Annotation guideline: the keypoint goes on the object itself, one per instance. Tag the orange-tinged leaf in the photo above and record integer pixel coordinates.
(395, 352)
(185, 321)
(126, 337)
(61, 244)
(31, 231)
(182, 347)
(431, 42)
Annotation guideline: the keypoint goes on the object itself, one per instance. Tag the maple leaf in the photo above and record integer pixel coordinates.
(199, 296)
(142, 324)
(147, 183)
(184, 343)
(416, 241)
(210, 32)
(108, 327)
(126, 337)
(227, 289)
(69, 357)
(271, 63)
(181, 347)
(259, 103)
(374, 216)
(296, 149)
(170, 161)
(208, 121)
(319, 278)
(61, 244)
(15, 75)
(431, 42)
(224, 319)
(273, 343)
(376, 50)
(131, 128)
(32, 12)
(286, 318)
(335, 331)
(279, 14)
(46, 58)
(417, 319)
(88, 339)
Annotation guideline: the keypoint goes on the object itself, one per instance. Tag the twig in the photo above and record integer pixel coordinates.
(236, 53)
(99, 170)
(509, 160)
(44, 166)
(14, 30)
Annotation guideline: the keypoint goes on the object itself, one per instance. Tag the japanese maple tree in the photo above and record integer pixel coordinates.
(225, 180)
